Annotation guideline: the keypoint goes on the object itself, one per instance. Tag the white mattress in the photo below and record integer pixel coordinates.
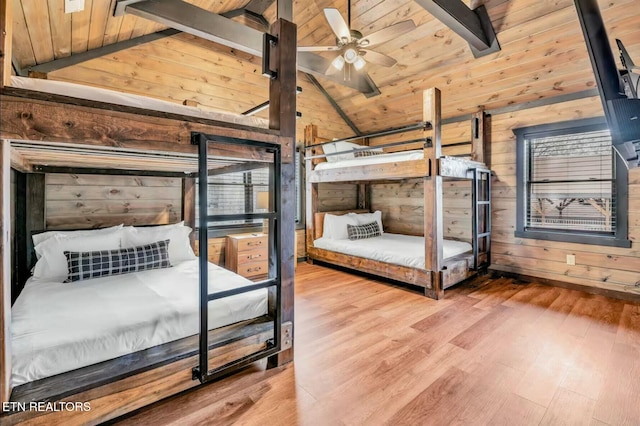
(58, 327)
(405, 250)
(120, 98)
(375, 159)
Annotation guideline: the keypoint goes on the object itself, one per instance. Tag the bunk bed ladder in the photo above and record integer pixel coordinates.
(273, 281)
(481, 199)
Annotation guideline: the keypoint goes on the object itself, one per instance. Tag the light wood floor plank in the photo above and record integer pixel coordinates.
(493, 352)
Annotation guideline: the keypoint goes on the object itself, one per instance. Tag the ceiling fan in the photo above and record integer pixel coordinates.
(353, 46)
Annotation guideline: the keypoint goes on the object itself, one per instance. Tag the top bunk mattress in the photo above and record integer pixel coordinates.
(120, 98)
(375, 159)
(58, 327)
(404, 250)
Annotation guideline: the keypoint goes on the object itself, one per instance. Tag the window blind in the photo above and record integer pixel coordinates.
(236, 192)
(570, 182)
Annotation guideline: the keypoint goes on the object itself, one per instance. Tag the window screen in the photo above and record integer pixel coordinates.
(570, 182)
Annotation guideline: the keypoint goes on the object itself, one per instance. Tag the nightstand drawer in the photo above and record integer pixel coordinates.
(253, 269)
(256, 255)
(252, 243)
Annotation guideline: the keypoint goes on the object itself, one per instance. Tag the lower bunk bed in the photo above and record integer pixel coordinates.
(96, 340)
(394, 256)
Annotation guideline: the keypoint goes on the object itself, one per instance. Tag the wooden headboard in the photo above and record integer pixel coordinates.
(318, 219)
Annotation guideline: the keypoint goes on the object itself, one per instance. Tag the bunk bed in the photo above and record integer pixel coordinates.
(167, 342)
(429, 261)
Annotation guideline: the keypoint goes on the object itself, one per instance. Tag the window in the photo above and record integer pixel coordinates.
(237, 192)
(571, 185)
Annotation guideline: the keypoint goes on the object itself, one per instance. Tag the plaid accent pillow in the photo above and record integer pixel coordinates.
(359, 232)
(367, 153)
(95, 264)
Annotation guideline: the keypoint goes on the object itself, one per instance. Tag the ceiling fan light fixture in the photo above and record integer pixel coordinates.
(351, 55)
(338, 62)
(359, 63)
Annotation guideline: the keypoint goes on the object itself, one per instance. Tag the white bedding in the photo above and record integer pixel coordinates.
(128, 99)
(58, 327)
(405, 250)
(375, 159)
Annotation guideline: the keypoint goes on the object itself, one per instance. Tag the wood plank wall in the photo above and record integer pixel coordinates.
(402, 206)
(90, 201)
(596, 266)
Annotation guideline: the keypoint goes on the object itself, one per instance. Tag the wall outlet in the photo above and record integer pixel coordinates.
(71, 6)
(571, 259)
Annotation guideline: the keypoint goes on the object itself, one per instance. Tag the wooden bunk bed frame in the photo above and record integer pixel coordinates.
(438, 273)
(40, 117)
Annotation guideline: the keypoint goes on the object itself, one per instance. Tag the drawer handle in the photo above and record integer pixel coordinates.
(254, 243)
(254, 256)
(256, 269)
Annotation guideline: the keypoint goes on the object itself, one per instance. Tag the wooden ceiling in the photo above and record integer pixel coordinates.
(543, 55)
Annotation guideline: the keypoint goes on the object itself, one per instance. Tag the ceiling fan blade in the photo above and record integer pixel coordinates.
(337, 23)
(317, 65)
(378, 58)
(388, 33)
(317, 48)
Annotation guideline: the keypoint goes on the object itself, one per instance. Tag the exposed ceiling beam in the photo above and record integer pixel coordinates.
(258, 6)
(473, 25)
(210, 26)
(334, 104)
(78, 58)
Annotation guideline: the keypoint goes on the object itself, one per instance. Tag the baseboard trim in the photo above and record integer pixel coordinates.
(621, 295)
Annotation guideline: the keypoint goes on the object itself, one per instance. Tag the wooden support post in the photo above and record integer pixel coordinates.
(364, 196)
(433, 225)
(6, 25)
(189, 206)
(282, 116)
(478, 133)
(311, 190)
(5, 271)
(29, 216)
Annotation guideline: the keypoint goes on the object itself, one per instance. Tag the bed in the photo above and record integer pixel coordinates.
(397, 249)
(432, 262)
(58, 327)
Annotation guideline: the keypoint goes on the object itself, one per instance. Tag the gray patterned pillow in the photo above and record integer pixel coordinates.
(95, 264)
(359, 232)
(367, 153)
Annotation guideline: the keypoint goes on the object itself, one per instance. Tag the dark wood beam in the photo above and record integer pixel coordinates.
(258, 6)
(282, 116)
(79, 58)
(210, 26)
(473, 25)
(334, 104)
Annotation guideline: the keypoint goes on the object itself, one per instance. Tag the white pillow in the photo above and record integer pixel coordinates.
(364, 218)
(177, 234)
(44, 236)
(335, 227)
(341, 147)
(52, 265)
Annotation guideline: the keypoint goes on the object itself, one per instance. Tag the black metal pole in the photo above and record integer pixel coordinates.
(600, 53)
(203, 236)
(419, 126)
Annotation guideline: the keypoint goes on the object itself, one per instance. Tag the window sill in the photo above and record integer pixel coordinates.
(592, 239)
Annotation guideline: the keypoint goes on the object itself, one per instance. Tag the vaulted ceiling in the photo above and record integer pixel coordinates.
(543, 55)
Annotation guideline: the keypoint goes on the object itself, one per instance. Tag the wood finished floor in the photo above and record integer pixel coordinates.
(493, 352)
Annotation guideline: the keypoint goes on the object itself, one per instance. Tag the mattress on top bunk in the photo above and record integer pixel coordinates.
(374, 159)
(404, 250)
(58, 327)
(127, 99)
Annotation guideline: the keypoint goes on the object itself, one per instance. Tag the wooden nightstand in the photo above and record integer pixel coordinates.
(247, 254)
